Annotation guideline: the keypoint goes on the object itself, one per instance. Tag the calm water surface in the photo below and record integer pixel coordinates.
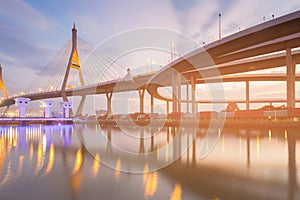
(94, 162)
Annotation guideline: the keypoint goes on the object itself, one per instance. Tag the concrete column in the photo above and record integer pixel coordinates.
(168, 107)
(193, 85)
(291, 73)
(179, 93)
(142, 95)
(66, 106)
(187, 97)
(108, 100)
(247, 96)
(174, 92)
(47, 105)
(22, 103)
(152, 104)
(80, 106)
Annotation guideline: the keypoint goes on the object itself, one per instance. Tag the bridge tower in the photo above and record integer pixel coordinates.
(2, 86)
(74, 63)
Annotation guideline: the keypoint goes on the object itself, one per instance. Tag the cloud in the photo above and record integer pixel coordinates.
(198, 21)
(21, 14)
(244, 14)
(202, 23)
(22, 49)
(102, 21)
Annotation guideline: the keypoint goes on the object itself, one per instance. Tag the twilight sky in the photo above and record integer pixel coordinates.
(31, 31)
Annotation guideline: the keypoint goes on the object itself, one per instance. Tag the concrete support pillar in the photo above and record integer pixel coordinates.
(66, 106)
(291, 73)
(179, 93)
(174, 92)
(152, 104)
(247, 96)
(193, 85)
(108, 102)
(168, 107)
(188, 150)
(80, 106)
(22, 103)
(142, 95)
(47, 105)
(187, 97)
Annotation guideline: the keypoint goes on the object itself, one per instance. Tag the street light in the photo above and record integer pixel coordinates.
(220, 26)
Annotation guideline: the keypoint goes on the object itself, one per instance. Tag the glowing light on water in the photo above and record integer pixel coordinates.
(78, 162)
(51, 160)
(167, 153)
(44, 143)
(21, 159)
(285, 134)
(240, 144)
(150, 181)
(31, 151)
(118, 167)
(151, 185)
(40, 159)
(176, 195)
(145, 174)
(96, 165)
(257, 146)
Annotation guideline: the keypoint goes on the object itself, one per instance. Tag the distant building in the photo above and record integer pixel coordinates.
(231, 107)
(101, 112)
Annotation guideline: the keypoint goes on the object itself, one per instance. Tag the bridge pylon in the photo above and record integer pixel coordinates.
(2, 86)
(74, 63)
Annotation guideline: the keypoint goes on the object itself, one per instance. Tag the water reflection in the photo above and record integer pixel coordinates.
(51, 161)
(150, 181)
(176, 195)
(96, 165)
(245, 163)
(117, 169)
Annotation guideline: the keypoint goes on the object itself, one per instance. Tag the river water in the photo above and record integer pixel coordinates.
(96, 162)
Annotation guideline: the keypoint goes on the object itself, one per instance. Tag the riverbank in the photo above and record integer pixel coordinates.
(191, 122)
(34, 120)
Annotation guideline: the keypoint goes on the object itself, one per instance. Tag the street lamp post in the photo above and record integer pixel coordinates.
(220, 37)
